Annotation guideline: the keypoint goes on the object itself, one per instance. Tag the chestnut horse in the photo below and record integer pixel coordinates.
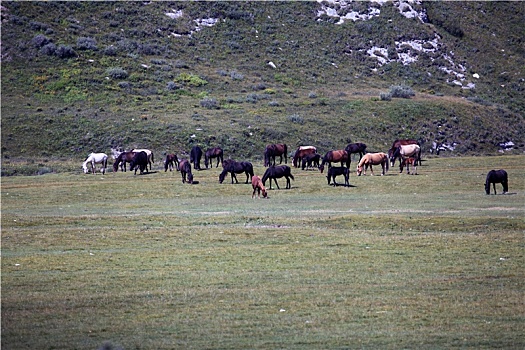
(396, 145)
(215, 152)
(171, 162)
(122, 159)
(370, 159)
(494, 177)
(274, 150)
(334, 157)
(258, 187)
(408, 162)
(301, 152)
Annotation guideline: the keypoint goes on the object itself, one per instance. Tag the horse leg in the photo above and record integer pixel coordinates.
(371, 170)
(277, 184)
(494, 185)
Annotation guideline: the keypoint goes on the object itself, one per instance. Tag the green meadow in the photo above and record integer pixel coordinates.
(145, 261)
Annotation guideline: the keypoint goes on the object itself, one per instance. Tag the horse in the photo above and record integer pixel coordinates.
(233, 168)
(148, 153)
(195, 157)
(122, 159)
(301, 152)
(336, 171)
(494, 177)
(140, 161)
(407, 162)
(258, 187)
(405, 151)
(370, 159)
(215, 152)
(171, 162)
(310, 160)
(95, 158)
(275, 172)
(356, 148)
(185, 170)
(397, 143)
(274, 150)
(335, 156)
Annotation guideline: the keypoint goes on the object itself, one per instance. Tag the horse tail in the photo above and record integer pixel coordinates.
(387, 165)
(152, 158)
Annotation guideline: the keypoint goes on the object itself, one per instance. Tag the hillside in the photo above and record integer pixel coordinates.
(79, 77)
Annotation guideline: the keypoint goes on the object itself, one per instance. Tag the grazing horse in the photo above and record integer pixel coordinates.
(95, 158)
(396, 145)
(148, 153)
(311, 160)
(274, 150)
(185, 170)
(494, 177)
(336, 171)
(276, 172)
(233, 168)
(301, 152)
(215, 152)
(370, 159)
(140, 161)
(405, 151)
(408, 162)
(335, 156)
(356, 148)
(171, 162)
(195, 157)
(258, 187)
(122, 159)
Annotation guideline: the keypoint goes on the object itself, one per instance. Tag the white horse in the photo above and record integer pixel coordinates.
(148, 152)
(96, 158)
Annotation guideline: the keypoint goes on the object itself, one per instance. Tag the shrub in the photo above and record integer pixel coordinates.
(49, 49)
(236, 76)
(172, 86)
(64, 51)
(385, 96)
(84, 43)
(191, 79)
(40, 40)
(401, 91)
(117, 73)
(110, 50)
(210, 103)
(294, 118)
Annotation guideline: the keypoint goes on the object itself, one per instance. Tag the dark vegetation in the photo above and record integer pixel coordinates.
(79, 77)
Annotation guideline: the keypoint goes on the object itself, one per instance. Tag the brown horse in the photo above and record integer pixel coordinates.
(215, 152)
(301, 152)
(185, 171)
(258, 187)
(356, 148)
(408, 162)
(122, 159)
(396, 145)
(274, 150)
(334, 157)
(370, 159)
(171, 162)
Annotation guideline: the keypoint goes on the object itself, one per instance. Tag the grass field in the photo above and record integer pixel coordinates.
(143, 262)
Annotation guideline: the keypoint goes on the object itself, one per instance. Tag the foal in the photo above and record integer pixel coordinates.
(408, 162)
(258, 186)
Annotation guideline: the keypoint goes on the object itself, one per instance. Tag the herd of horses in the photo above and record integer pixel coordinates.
(407, 152)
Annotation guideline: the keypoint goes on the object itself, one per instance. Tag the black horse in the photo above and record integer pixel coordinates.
(356, 148)
(276, 172)
(139, 161)
(215, 152)
(497, 177)
(336, 171)
(185, 171)
(171, 162)
(310, 160)
(195, 157)
(274, 150)
(233, 167)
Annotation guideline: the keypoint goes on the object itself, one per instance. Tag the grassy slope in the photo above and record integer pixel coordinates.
(153, 263)
(66, 108)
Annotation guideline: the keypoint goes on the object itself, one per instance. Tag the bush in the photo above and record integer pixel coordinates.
(401, 91)
(210, 103)
(40, 40)
(385, 96)
(84, 43)
(294, 118)
(172, 86)
(65, 51)
(117, 73)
